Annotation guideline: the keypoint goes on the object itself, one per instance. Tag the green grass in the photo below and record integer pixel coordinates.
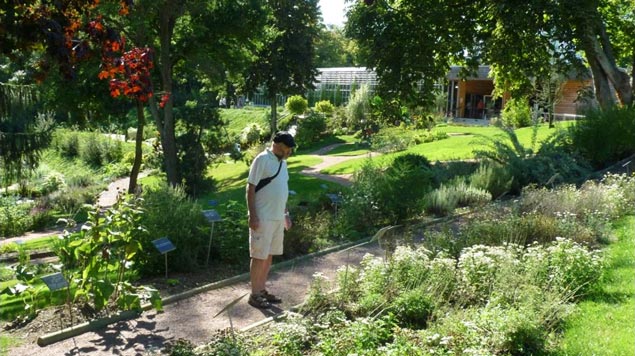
(238, 119)
(459, 146)
(39, 243)
(604, 324)
(232, 178)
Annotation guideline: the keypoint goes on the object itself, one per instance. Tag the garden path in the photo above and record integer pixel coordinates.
(106, 199)
(328, 161)
(194, 318)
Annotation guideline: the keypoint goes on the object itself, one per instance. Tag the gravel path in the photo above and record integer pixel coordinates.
(192, 318)
(328, 161)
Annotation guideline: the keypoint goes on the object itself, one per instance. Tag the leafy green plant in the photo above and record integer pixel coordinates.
(310, 128)
(325, 107)
(605, 136)
(517, 113)
(441, 201)
(104, 253)
(296, 105)
(14, 216)
(233, 244)
(163, 207)
(492, 177)
(251, 134)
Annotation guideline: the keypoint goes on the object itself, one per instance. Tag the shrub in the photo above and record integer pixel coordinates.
(251, 134)
(14, 216)
(517, 113)
(66, 142)
(467, 195)
(310, 129)
(377, 197)
(170, 213)
(296, 105)
(441, 201)
(605, 136)
(358, 108)
(492, 177)
(325, 107)
(232, 246)
(311, 231)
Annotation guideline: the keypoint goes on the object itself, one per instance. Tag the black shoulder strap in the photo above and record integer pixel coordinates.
(263, 182)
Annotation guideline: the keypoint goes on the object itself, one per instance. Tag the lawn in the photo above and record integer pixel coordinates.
(459, 146)
(603, 324)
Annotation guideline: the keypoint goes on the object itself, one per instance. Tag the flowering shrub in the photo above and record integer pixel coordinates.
(481, 267)
(565, 266)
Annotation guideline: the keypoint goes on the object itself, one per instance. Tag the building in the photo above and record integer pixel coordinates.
(467, 98)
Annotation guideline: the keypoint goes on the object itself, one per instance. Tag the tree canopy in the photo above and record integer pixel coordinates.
(407, 41)
(285, 61)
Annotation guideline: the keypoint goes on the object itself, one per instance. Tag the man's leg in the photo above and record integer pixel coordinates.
(259, 269)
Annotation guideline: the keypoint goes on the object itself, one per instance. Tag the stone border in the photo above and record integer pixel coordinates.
(96, 324)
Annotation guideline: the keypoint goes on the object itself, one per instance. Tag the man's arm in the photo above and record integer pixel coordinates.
(254, 222)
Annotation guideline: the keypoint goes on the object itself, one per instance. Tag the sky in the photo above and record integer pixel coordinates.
(333, 12)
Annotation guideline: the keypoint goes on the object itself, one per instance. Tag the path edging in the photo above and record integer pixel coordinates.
(96, 324)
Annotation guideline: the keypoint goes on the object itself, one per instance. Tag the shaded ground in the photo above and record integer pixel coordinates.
(191, 318)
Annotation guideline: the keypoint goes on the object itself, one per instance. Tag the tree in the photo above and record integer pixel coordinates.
(285, 62)
(213, 38)
(411, 40)
(24, 133)
(210, 38)
(333, 49)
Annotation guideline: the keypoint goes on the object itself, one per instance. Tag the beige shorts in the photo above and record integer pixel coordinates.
(267, 240)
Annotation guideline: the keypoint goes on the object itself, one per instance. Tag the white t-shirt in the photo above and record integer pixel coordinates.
(271, 200)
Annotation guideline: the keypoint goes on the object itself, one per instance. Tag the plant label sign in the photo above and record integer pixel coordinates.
(335, 199)
(55, 281)
(163, 245)
(211, 215)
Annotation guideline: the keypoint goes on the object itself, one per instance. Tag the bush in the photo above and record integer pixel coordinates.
(252, 134)
(14, 216)
(310, 129)
(492, 177)
(325, 107)
(170, 213)
(517, 113)
(66, 142)
(384, 197)
(311, 232)
(441, 201)
(296, 105)
(605, 137)
(358, 109)
(232, 246)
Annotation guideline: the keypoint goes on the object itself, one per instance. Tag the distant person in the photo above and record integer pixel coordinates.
(267, 193)
(480, 108)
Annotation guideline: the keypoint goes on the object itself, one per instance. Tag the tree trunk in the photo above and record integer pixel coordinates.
(273, 125)
(168, 138)
(605, 70)
(603, 93)
(138, 152)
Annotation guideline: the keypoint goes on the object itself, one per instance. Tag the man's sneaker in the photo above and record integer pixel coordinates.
(259, 301)
(270, 297)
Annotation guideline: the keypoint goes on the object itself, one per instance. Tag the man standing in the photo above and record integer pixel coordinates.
(267, 193)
